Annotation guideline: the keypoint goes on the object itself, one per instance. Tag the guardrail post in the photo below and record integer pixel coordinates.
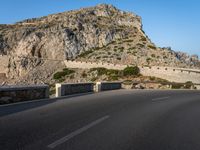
(98, 87)
(58, 90)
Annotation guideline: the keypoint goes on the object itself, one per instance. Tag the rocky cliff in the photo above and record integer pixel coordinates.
(100, 33)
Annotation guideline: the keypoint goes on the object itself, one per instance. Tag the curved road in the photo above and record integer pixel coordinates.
(114, 120)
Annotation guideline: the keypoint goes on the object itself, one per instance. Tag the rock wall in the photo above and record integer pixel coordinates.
(4, 64)
(89, 65)
(106, 86)
(75, 88)
(11, 94)
(181, 75)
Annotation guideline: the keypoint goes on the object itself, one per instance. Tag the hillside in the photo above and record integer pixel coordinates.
(102, 33)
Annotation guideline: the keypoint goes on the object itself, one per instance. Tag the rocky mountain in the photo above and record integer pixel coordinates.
(102, 33)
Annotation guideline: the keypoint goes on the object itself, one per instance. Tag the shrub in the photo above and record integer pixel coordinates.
(129, 40)
(140, 45)
(128, 71)
(61, 80)
(60, 74)
(98, 57)
(109, 53)
(143, 38)
(100, 71)
(131, 48)
(113, 78)
(104, 71)
(152, 47)
(52, 89)
(121, 49)
(177, 86)
(112, 72)
(85, 53)
(84, 74)
(71, 76)
(188, 85)
(94, 79)
(165, 57)
(148, 59)
(152, 78)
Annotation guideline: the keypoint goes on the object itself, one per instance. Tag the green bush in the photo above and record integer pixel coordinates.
(84, 74)
(60, 74)
(100, 71)
(112, 72)
(152, 78)
(121, 49)
(129, 41)
(140, 45)
(148, 59)
(152, 47)
(104, 71)
(143, 38)
(85, 53)
(188, 85)
(128, 71)
(177, 86)
(113, 78)
(94, 79)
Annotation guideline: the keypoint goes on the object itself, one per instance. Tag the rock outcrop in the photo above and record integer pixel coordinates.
(100, 33)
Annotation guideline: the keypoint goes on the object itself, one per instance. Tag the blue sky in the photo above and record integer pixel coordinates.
(174, 23)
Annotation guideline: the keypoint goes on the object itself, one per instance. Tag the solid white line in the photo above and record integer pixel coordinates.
(161, 98)
(77, 132)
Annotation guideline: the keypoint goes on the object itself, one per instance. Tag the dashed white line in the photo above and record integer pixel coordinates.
(75, 133)
(160, 98)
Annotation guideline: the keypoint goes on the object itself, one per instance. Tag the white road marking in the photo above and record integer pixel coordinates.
(161, 98)
(77, 132)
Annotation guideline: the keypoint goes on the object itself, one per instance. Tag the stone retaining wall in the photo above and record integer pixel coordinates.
(171, 74)
(89, 65)
(73, 88)
(11, 94)
(105, 86)
(180, 75)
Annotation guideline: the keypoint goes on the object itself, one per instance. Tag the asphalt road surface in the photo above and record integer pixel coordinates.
(113, 120)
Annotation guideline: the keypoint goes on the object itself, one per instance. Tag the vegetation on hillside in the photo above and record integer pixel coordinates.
(63, 73)
(131, 71)
(187, 85)
(114, 75)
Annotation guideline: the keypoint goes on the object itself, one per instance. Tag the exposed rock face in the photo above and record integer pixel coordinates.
(101, 33)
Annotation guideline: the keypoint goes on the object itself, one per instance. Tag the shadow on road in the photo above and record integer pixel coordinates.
(19, 107)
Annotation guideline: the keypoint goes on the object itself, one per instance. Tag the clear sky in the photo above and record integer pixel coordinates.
(174, 23)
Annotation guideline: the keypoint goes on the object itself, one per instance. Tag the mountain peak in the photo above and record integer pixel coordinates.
(105, 6)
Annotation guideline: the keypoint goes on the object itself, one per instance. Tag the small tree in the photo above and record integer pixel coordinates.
(129, 71)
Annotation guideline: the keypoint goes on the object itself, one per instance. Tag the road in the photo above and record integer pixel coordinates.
(113, 120)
